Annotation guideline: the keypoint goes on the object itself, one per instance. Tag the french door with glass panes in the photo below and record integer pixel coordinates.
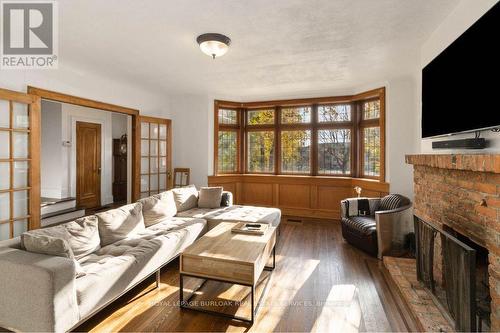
(156, 155)
(19, 163)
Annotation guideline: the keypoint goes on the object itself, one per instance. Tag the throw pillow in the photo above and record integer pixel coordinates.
(44, 244)
(210, 197)
(185, 198)
(158, 207)
(82, 235)
(120, 223)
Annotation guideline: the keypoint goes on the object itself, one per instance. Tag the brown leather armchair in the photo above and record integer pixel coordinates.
(384, 230)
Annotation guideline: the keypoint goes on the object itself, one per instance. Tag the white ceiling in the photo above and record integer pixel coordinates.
(279, 47)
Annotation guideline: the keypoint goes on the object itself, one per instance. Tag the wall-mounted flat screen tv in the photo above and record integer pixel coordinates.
(461, 86)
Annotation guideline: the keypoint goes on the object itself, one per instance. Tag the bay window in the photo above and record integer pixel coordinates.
(329, 136)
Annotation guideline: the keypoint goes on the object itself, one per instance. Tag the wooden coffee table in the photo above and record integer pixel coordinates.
(224, 256)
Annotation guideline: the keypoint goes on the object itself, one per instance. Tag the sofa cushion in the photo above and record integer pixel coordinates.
(210, 197)
(235, 213)
(120, 223)
(393, 201)
(185, 197)
(53, 246)
(158, 207)
(82, 235)
(118, 266)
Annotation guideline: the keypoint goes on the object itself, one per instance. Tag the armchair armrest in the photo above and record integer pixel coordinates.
(38, 292)
(227, 199)
(392, 228)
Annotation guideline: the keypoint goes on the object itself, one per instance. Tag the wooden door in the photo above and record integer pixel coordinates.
(88, 164)
(19, 163)
(156, 155)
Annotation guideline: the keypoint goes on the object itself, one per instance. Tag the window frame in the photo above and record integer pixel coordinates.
(356, 125)
(228, 128)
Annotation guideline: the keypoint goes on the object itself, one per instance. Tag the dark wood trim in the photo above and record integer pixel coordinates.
(70, 99)
(136, 140)
(34, 164)
(306, 196)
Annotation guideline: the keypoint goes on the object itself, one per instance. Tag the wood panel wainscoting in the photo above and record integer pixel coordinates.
(302, 196)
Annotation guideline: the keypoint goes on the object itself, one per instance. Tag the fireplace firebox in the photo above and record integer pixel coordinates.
(455, 269)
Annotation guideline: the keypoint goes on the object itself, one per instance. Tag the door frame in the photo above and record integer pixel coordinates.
(99, 142)
(70, 99)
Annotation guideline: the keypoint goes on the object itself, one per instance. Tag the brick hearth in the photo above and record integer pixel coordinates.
(463, 192)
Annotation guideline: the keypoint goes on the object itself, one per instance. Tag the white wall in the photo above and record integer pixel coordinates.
(118, 125)
(458, 21)
(192, 135)
(51, 150)
(83, 83)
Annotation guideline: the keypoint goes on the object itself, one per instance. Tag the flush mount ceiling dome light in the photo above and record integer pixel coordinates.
(214, 45)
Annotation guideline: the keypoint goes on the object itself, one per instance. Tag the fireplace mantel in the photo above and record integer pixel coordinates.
(466, 162)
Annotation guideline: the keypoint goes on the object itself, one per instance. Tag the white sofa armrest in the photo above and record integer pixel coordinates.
(37, 291)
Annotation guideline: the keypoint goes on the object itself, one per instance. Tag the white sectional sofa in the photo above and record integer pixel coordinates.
(55, 278)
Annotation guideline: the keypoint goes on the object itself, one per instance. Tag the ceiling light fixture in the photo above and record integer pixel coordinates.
(214, 45)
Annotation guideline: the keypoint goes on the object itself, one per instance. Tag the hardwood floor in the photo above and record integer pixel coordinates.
(320, 283)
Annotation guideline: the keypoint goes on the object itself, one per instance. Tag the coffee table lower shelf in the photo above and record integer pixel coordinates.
(254, 308)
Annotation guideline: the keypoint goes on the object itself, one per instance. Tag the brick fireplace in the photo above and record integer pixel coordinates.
(462, 193)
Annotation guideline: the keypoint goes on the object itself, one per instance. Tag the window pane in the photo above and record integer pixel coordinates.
(334, 151)
(153, 148)
(4, 176)
(144, 183)
(144, 130)
(163, 164)
(228, 117)
(144, 164)
(371, 151)
(4, 206)
(144, 195)
(227, 151)
(333, 113)
(20, 174)
(4, 231)
(4, 113)
(21, 203)
(21, 119)
(4, 147)
(153, 182)
(163, 148)
(144, 147)
(261, 151)
(163, 132)
(295, 151)
(294, 115)
(153, 164)
(154, 131)
(371, 110)
(20, 144)
(260, 117)
(20, 226)
(163, 181)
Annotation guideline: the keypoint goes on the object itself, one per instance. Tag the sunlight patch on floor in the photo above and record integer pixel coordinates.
(340, 312)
